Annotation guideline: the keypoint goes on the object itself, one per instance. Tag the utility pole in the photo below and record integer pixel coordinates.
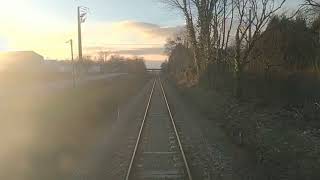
(73, 65)
(79, 34)
(81, 15)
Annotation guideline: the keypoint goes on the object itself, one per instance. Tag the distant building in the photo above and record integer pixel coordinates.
(20, 61)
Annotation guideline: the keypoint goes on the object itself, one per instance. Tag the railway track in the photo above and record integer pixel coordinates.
(158, 152)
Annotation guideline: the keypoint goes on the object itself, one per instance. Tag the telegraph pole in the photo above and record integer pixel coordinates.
(79, 34)
(81, 15)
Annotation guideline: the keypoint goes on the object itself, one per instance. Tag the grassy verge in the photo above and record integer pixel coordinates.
(280, 141)
(45, 136)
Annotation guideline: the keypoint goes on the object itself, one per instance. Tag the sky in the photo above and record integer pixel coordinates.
(127, 27)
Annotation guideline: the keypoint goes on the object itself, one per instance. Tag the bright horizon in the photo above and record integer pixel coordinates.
(124, 28)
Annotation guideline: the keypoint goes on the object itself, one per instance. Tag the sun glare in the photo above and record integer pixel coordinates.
(26, 26)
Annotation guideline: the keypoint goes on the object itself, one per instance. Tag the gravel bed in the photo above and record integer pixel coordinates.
(209, 151)
(158, 155)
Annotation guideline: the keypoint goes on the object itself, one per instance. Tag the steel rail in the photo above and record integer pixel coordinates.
(140, 132)
(176, 133)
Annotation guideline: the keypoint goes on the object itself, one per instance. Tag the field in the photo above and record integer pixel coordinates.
(47, 135)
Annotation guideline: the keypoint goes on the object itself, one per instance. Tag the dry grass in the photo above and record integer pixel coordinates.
(281, 141)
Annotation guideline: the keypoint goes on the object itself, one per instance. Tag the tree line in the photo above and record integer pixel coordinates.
(254, 69)
(113, 63)
(241, 39)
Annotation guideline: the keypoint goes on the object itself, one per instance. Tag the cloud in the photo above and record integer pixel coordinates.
(142, 51)
(134, 51)
(129, 38)
(123, 37)
(127, 32)
(153, 30)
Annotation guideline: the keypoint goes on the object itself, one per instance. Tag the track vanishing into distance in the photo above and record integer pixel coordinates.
(158, 152)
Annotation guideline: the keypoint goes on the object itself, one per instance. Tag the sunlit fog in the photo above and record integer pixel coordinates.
(160, 89)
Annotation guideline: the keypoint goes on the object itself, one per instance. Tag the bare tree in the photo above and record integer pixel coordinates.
(208, 24)
(309, 9)
(253, 16)
(171, 43)
(311, 3)
(186, 7)
(211, 23)
(103, 55)
(223, 23)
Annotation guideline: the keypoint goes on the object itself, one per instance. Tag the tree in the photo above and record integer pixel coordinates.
(311, 3)
(103, 55)
(120, 63)
(171, 44)
(288, 44)
(186, 7)
(253, 16)
(208, 24)
(309, 9)
(211, 24)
